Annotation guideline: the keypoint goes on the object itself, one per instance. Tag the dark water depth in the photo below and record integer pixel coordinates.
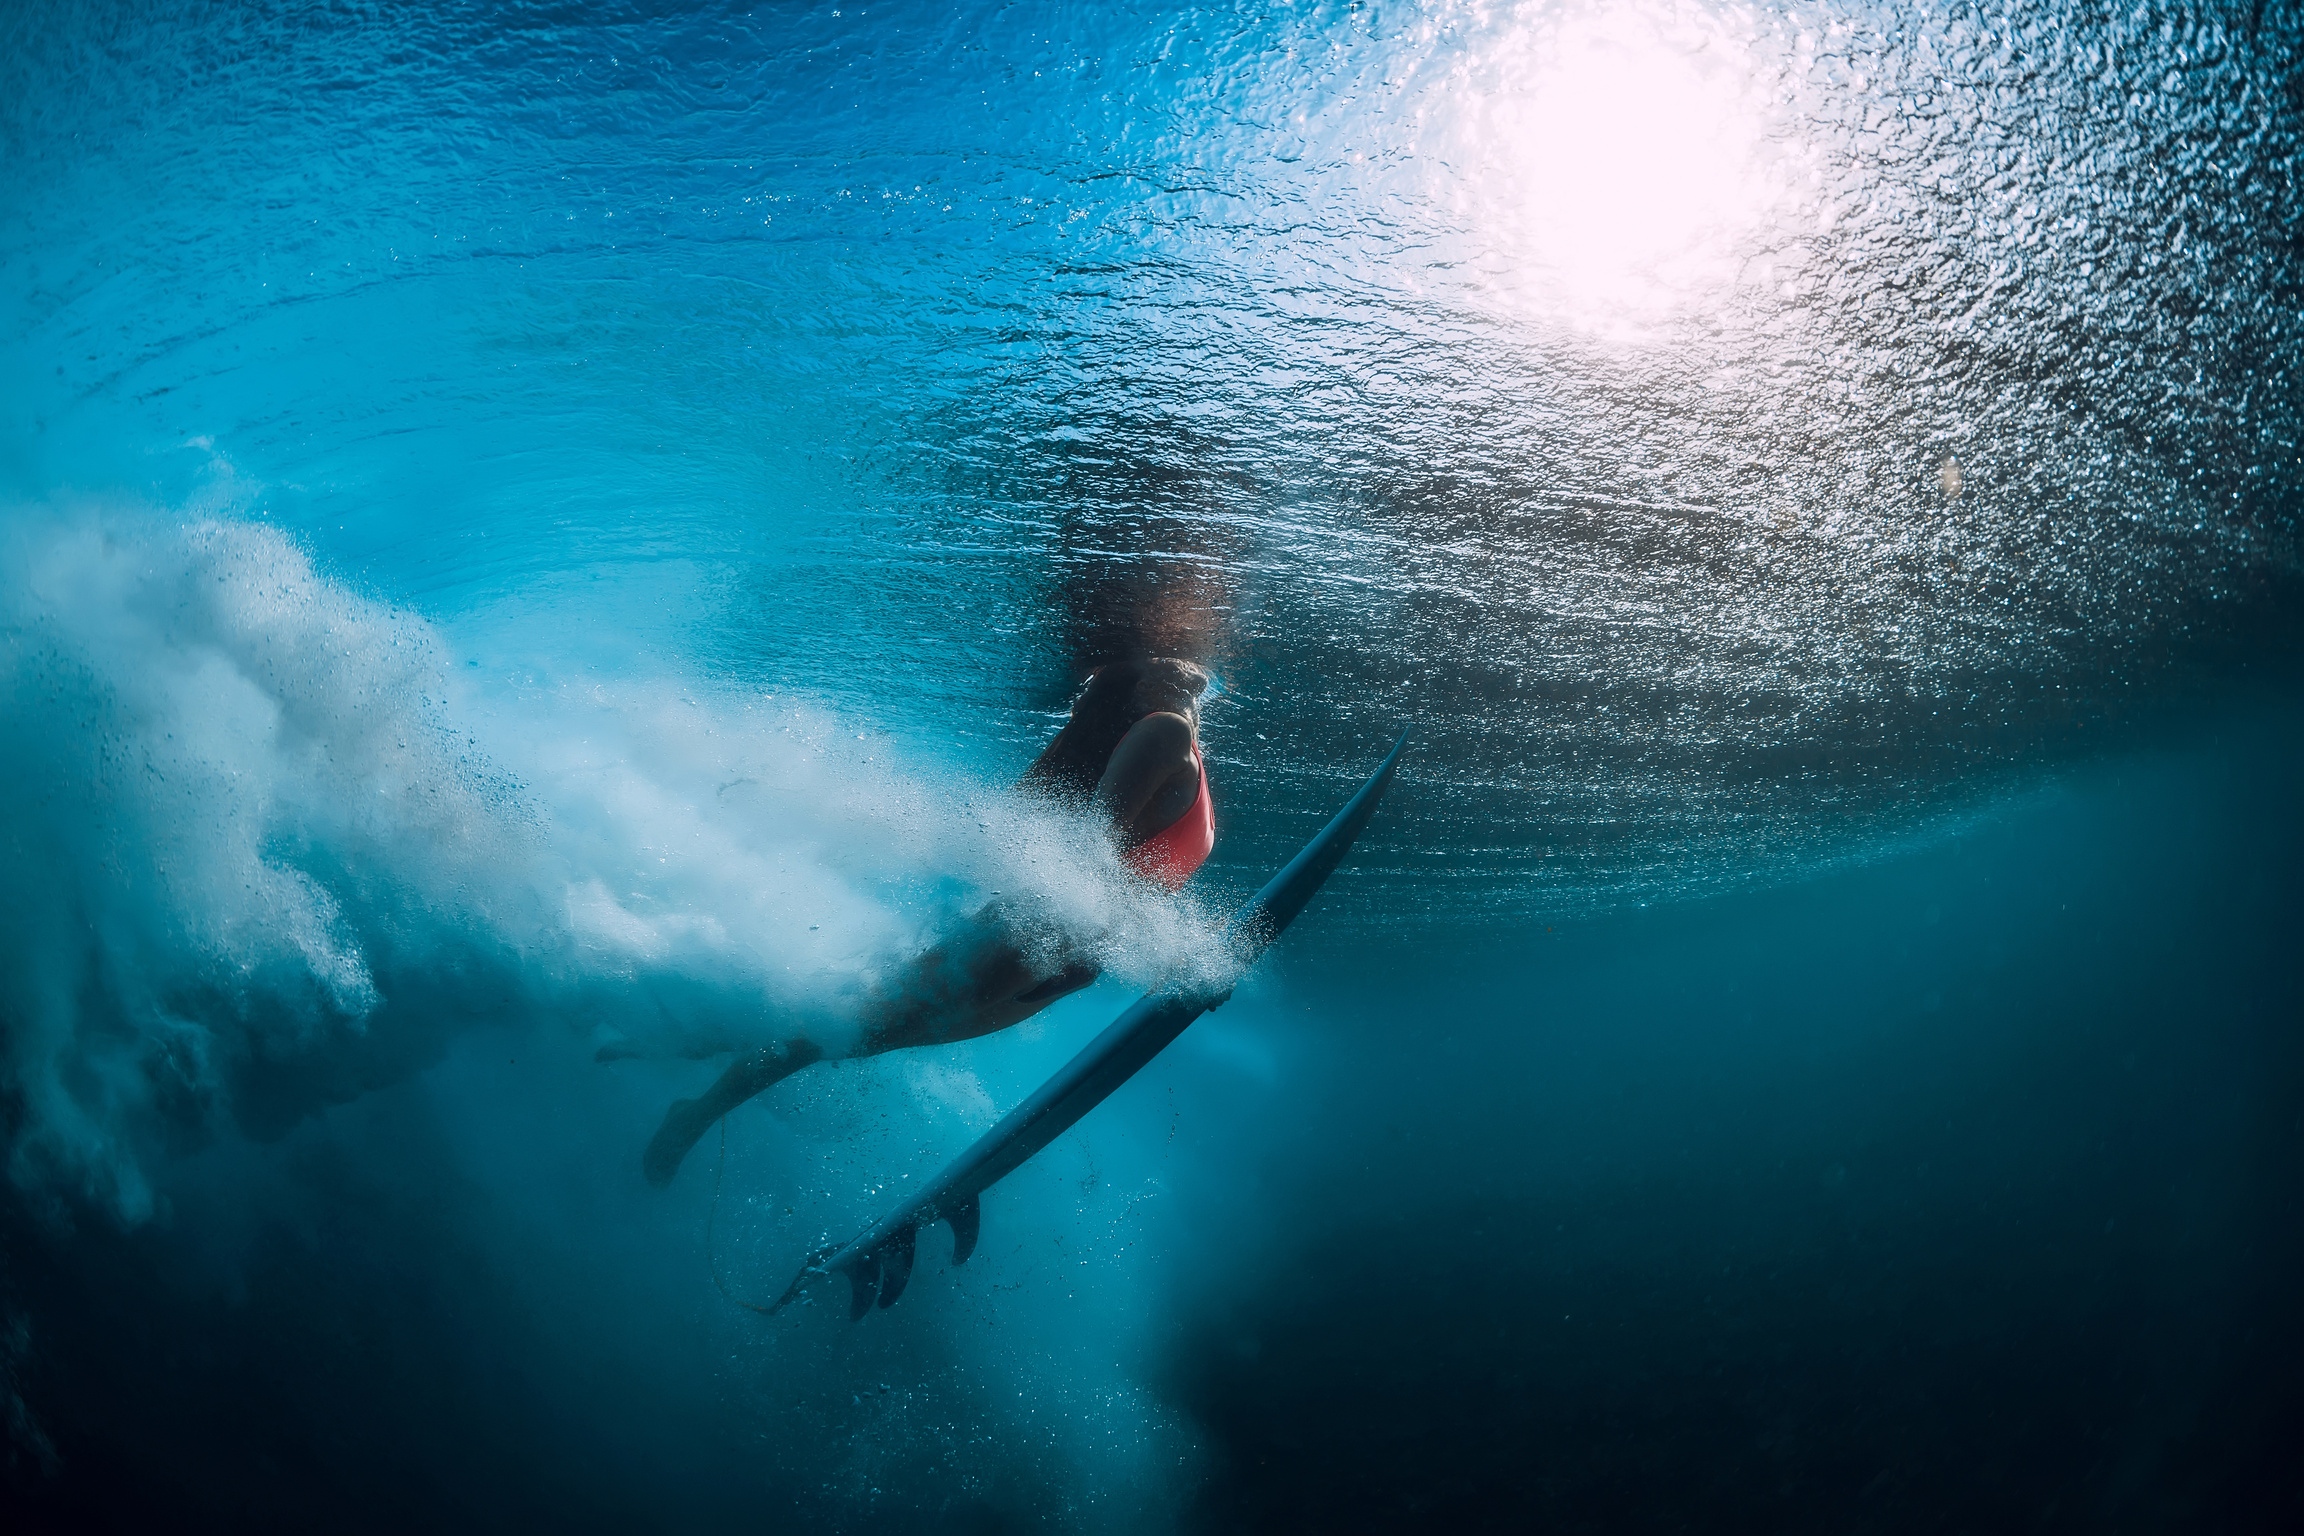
(1960, 1191)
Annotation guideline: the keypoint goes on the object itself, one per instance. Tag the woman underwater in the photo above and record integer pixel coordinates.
(1132, 750)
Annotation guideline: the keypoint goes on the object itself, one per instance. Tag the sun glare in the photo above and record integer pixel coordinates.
(1619, 166)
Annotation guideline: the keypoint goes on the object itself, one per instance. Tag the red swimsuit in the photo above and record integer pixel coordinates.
(1169, 856)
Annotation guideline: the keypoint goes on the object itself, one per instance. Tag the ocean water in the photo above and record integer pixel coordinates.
(534, 541)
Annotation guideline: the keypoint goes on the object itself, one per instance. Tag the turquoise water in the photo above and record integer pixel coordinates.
(536, 533)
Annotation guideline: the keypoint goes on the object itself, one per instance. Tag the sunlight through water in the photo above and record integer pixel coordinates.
(1622, 168)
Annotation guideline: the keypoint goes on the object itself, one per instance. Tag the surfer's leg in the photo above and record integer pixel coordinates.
(970, 985)
(688, 1119)
(979, 981)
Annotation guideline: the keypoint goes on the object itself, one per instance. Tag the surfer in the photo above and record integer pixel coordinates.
(1131, 752)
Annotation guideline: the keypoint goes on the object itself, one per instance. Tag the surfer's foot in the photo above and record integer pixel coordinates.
(688, 1119)
(684, 1125)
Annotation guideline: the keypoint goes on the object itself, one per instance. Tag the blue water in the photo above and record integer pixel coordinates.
(529, 534)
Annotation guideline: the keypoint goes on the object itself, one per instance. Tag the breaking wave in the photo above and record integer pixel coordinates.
(266, 850)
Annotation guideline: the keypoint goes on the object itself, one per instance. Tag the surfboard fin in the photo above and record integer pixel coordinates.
(864, 1283)
(965, 1218)
(896, 1265)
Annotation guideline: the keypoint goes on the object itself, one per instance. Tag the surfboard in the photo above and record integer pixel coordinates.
(878, 1263)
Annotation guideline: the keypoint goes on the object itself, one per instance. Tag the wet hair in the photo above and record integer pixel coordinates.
(1116, 696)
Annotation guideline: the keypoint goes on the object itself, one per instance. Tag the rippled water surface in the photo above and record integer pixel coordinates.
(1726, 433)
(552, 524)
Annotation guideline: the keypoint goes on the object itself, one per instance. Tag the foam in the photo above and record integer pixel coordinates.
(265, 849)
